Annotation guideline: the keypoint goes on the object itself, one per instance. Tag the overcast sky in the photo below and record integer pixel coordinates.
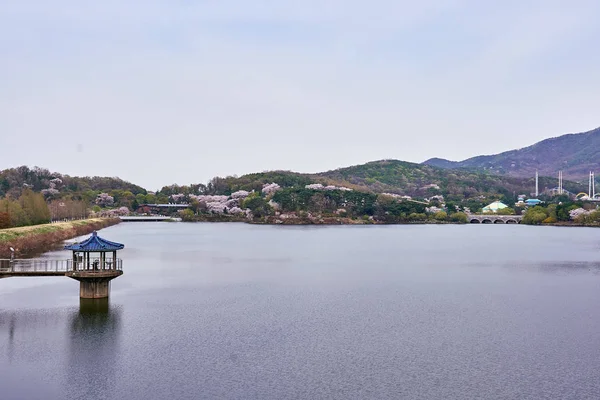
(178, 91)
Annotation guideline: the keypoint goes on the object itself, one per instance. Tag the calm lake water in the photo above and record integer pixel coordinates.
(235, 311)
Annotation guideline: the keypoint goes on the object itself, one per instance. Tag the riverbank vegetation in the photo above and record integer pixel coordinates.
(28, 240)
(386, 191)
(316, 204)
(563, 211)
(28, 209)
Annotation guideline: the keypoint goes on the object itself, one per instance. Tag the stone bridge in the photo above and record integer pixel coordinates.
(494, 219)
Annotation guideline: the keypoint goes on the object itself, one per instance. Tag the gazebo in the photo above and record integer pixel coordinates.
(92, 268)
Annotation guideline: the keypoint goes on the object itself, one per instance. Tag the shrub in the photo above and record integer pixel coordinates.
(459, 217)
(440, 216)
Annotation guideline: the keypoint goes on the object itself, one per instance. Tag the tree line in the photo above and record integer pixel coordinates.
(28, 209)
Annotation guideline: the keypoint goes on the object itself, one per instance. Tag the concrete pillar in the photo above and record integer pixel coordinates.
(94, 288)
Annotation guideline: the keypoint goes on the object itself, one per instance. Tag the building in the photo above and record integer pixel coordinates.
(494, 207)
(532, 202)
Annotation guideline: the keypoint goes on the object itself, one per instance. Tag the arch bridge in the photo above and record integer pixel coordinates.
(494, 219)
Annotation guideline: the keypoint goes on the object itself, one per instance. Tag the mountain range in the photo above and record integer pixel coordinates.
(504, 174)
(575, 154)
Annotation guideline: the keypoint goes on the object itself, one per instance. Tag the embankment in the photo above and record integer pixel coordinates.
(31, 240)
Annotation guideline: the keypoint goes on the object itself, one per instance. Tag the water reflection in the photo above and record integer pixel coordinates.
(93, 348)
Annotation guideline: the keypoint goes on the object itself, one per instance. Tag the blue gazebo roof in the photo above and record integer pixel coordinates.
(95, 243)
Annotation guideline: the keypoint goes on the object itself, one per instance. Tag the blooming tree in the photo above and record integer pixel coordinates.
(573, 214)
(216, 207)
(315, 186)
(209, 198)
(123, 211)
(318, 186)
(177, 198)
(240, 194)
(104, 200)
(270, 188)
(49, 192)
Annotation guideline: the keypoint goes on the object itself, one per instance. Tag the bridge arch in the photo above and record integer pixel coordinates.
(499, 221)
(475, 221)
(512, 221)
(486, 221)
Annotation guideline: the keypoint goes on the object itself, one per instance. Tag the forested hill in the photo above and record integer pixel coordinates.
(574, 154)
(55, 185)
(385, 176)
(416, 179)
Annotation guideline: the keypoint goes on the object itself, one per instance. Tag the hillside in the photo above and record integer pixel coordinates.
(417, 179)
(55, 185)
(574, 154)
(385, 176)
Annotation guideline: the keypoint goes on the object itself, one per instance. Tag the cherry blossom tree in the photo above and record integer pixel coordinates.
(270, 188)
(240, 194)
(104, 200)
(573, 214)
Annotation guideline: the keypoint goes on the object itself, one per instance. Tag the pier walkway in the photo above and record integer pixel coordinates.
(48, 267)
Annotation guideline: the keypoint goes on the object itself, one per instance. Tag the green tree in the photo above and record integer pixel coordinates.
(150, 199)
(506, 211)
(440, 216)
(459, 217)
(186, 215)
(535, 215)
(140, 198)
(259, 207)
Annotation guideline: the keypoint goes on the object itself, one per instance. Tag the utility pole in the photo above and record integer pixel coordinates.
(537, 193)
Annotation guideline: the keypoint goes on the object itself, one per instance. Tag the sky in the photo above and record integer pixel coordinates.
(179, 91)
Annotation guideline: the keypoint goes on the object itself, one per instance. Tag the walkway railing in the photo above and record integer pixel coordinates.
(58, 266)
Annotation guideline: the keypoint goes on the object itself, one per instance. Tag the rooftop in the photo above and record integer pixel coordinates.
(95, 243)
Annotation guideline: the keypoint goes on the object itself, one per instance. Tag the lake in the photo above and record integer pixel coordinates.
(238, 311)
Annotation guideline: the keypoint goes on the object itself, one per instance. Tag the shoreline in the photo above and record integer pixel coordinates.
(36, 239)
(271, 220)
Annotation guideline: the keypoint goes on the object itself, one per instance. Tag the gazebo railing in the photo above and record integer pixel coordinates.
(34, 265)
(96, 264)
(47, 265)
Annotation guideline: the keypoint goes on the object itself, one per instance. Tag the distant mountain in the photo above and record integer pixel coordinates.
(574, 154)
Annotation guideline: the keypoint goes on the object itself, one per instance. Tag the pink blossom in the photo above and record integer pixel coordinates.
(104, 199)
(577, 213)
(270, 188)
(240, 194)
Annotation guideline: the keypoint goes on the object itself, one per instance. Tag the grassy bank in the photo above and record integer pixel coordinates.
(28, 240)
